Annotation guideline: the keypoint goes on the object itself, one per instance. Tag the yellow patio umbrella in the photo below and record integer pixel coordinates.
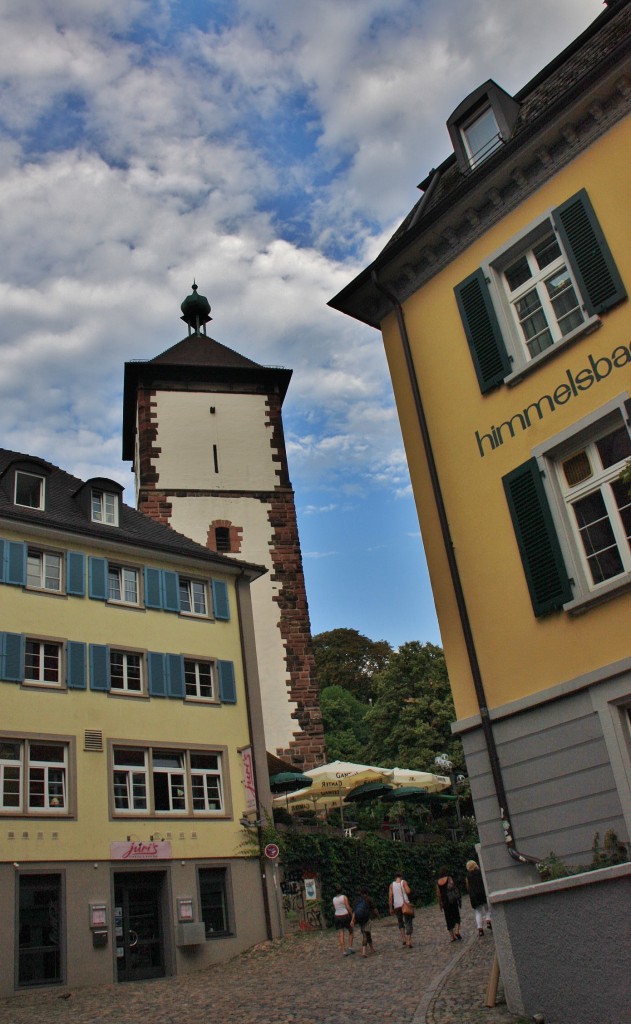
(424, 780)
(330, 783)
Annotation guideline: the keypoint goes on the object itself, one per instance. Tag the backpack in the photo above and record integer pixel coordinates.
(361, 911)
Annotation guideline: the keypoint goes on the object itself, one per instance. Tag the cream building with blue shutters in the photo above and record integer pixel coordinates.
(503, 304)
(131, 740)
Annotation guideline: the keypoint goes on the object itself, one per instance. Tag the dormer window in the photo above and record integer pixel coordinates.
(483, 122)
(29, 490)
(481, 135)
(105, 507)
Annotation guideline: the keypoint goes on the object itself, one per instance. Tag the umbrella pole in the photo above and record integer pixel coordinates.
(341, 811)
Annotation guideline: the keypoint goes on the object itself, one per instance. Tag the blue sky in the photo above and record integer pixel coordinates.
(268, 149)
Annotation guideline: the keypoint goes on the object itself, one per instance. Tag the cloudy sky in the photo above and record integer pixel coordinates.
(267, 148)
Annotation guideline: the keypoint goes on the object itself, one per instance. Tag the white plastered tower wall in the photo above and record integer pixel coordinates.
(240, 432)
(203, 426)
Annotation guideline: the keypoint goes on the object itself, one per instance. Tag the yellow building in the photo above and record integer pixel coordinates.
(131, 740)
(502, 300)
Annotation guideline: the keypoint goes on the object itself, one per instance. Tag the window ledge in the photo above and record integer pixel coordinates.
(607, 592)
(588, 327)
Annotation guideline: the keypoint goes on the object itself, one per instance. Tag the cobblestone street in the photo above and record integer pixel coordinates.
(302, 979)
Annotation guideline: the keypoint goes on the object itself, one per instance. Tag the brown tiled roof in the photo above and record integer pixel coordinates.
(199, 350)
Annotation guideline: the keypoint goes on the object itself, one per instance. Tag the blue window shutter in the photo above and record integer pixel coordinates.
(488, 351)
(99, 667)
(97, 572)
(539, 548)
(153, 588)
(75, 573)
(156, 664)
(597, 275)
(220, 600)
(76, 665)
(175, 675)
(171, 591)
(227, 686)
(12, 661)
(2, 565)
(15, 554)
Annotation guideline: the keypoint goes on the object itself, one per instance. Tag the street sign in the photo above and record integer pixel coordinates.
(271, 851)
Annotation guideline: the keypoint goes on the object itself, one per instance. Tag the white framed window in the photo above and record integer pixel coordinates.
(42, 662)
(597, 502)
(47, 771)
(104, 506)
(159, 781)
(199, 679)
(11, 770)
(126, 675)
(44, 570)
(542, 294)
(29, 490)
(33, 776)
(131, 775)
(206, 782)
(193, 597)
(122, 584)
(169, 782)
(481, 135)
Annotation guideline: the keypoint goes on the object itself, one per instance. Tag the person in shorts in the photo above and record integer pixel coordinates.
(343, 918)
(398, 894)
(363, 911)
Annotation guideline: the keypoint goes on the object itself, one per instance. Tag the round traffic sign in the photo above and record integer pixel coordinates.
(271, 851)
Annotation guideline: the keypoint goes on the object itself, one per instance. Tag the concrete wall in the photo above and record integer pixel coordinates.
(563, 763)
(571, 939)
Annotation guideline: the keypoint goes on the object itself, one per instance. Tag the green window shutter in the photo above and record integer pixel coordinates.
(221, 604)
(598, 279)
(12, 657)
(175, 676)
(75, 573)
(76, 666)
(156, 664)
(153, 588)
(227, 685)
(482, 329)
(99, 667)
(170, 591)
(97, 578)
(2, 565)
(15, 567)
(537, 540)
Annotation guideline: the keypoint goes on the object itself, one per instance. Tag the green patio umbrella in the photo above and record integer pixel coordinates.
(368, 791)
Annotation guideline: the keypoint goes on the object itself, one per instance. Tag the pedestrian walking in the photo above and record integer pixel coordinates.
(363, 911)
(343, 918)
(477, 895)
(450, 900)
(401, 906)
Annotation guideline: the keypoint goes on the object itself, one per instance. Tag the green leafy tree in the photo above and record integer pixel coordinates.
(344, 720)
(348, 659)
(410, 720)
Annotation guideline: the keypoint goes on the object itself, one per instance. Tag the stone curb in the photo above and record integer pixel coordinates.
(435, 985)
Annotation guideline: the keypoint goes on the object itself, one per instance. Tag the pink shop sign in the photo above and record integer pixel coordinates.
(137, 850)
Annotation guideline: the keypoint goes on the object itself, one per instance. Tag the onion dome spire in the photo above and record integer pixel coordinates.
(196, 312)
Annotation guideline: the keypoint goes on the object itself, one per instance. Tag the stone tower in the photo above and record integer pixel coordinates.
(203, 428)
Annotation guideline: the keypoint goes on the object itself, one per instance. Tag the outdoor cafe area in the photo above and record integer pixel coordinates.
(399, 804)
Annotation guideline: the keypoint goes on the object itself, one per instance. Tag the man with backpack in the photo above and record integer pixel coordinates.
(363, 910)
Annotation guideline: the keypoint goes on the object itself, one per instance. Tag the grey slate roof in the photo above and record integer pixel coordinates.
(63, 511)
(567, 74)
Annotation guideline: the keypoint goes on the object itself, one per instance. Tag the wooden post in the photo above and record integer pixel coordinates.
(494, 977)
